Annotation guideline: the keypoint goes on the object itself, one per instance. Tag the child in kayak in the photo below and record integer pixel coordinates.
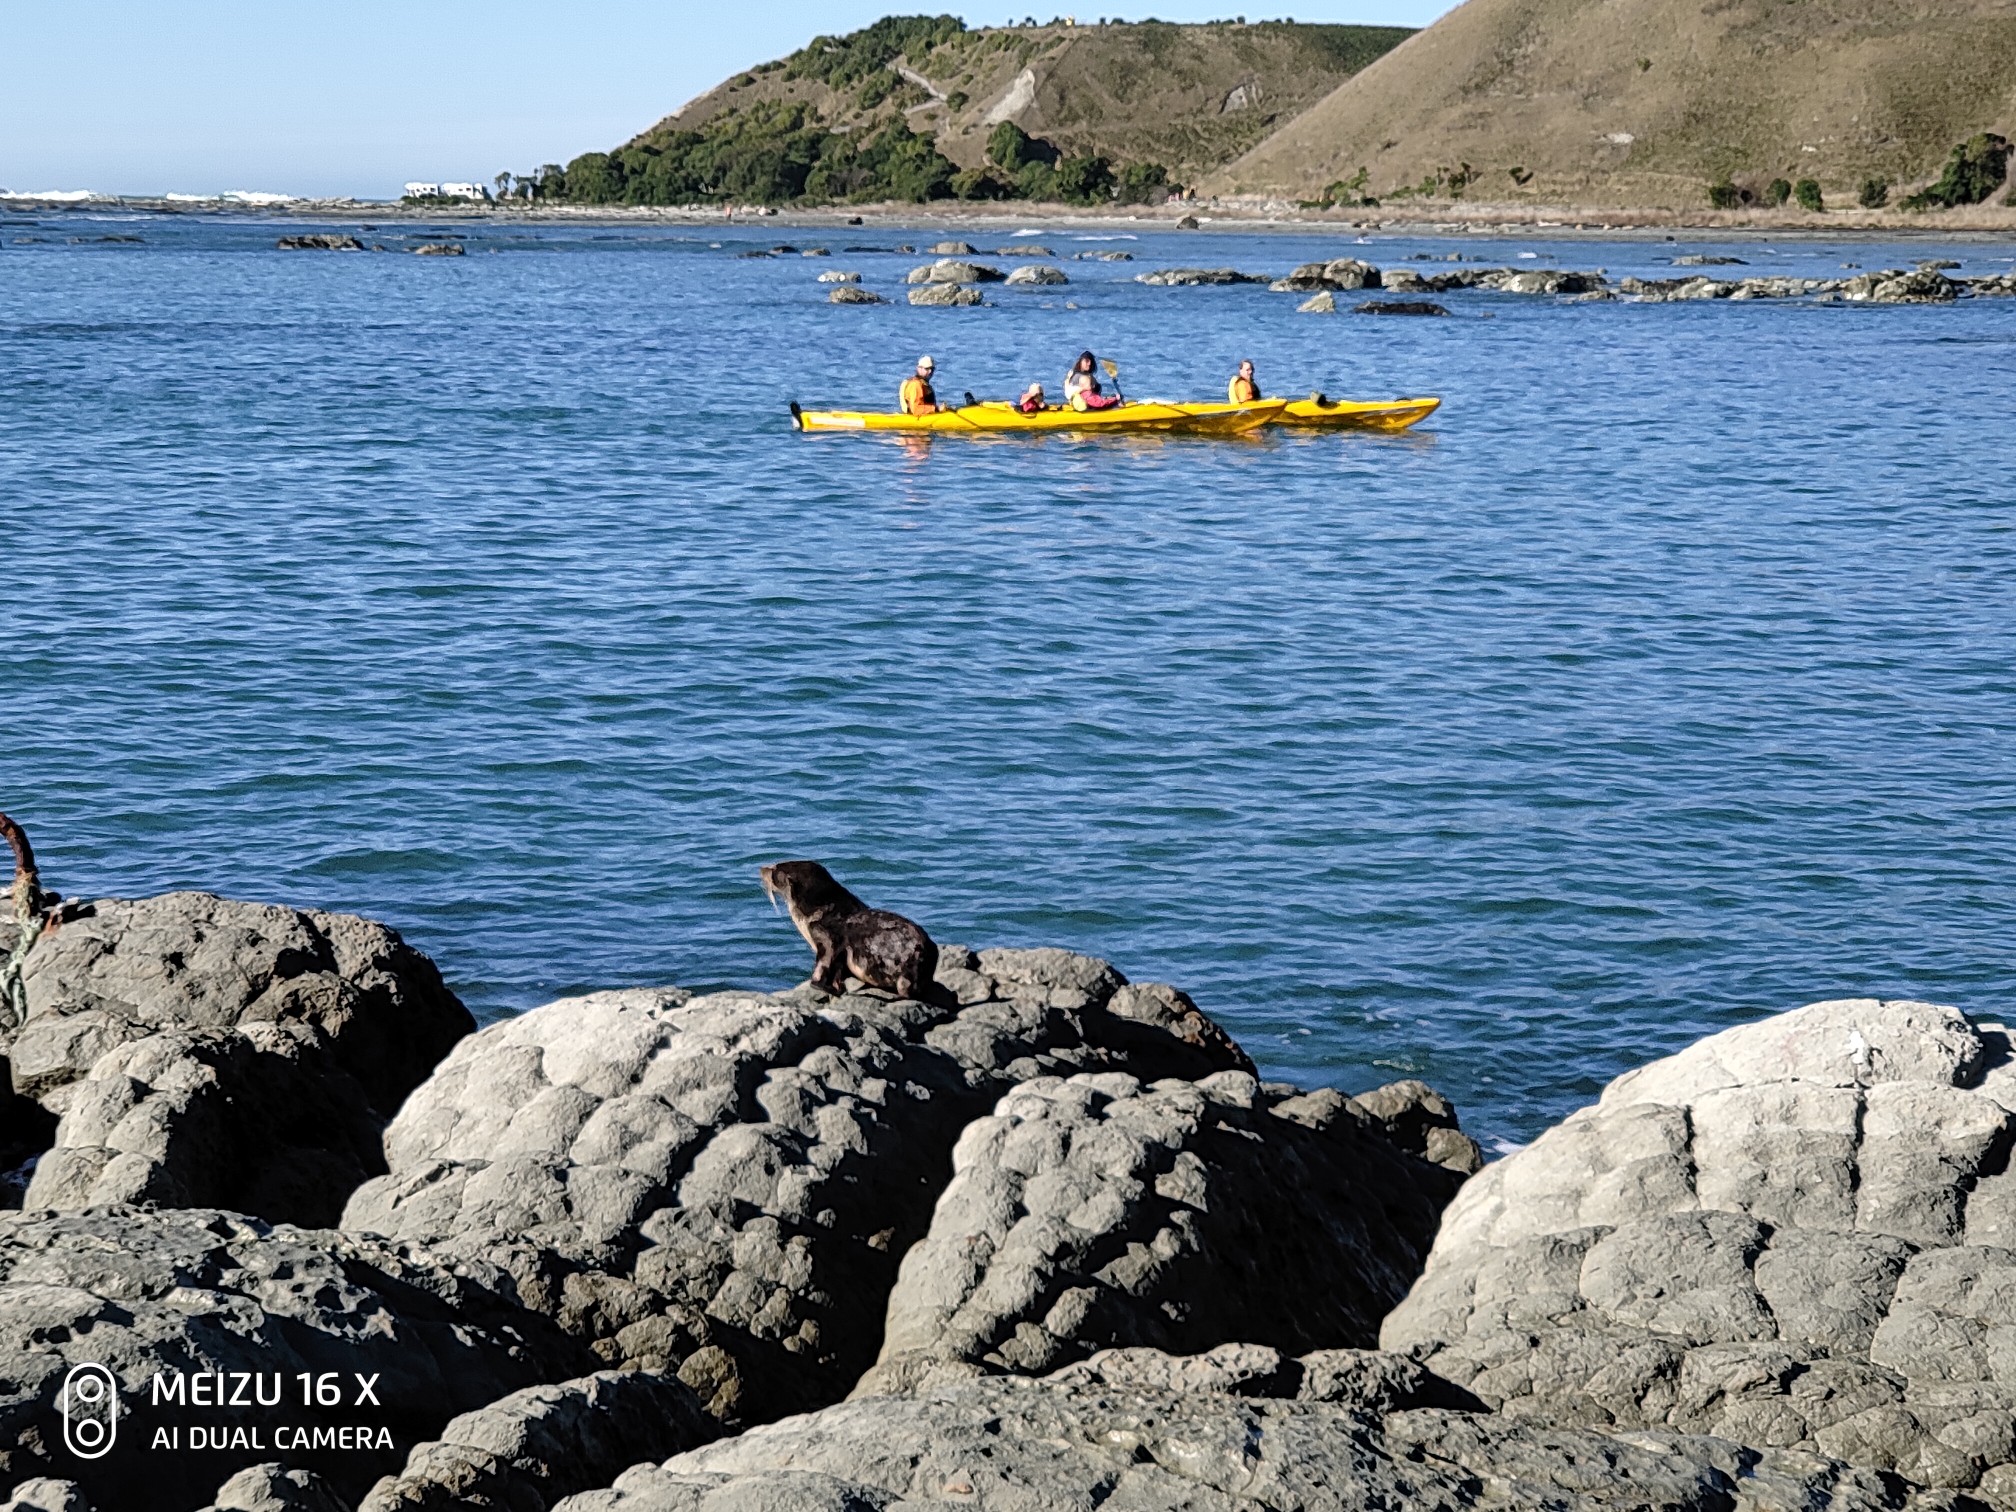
(1242, 389)
(1081, 385)
(917, 397)
(1032, 401)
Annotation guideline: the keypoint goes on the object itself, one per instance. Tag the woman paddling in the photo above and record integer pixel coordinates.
(1081, 385)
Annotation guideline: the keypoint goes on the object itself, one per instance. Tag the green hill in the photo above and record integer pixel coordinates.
(920, 107)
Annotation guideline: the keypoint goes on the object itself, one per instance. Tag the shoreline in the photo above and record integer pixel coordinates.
(1975, 222)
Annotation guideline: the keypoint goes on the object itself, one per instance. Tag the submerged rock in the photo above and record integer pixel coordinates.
(835, 276)
(1036, 274)
(1093, 1212)
(439, 249)
(1108, 255)
(318, 241)
(945, 294)
(855, 295)
(1024, 249)
(951, 249)
(1403, 307)
(1799, 1233)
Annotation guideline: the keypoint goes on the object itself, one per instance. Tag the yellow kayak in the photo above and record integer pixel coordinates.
(999, 417)
(1357, 414)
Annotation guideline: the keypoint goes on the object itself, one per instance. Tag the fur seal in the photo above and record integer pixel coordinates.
(881, 949)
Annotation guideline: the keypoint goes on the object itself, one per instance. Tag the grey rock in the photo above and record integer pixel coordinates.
(1794, 1234)
(320, 242)
(439, 249)
(1333, 1433)
(1324, 303)
(949, 270)
(1191, 277)
(1541, 281)
(1024, 249)
(1108, 255)
(722, 1187)
(1035, 273)
(196, 1291)
(1426, 306)
(261, 1120)
(127, 968)
(1706, 260)
(43, 1494)
(951, 249)
(538, 1445)
(853, 294)
(944, 294)
(1923, 285)
(274, 1487)
(1093, 1212)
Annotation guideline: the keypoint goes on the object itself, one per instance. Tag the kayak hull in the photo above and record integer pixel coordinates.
(997, 418)
(1350, 414)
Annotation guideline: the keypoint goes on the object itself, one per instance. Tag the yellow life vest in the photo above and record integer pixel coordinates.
(1242, 391)
(916, 397)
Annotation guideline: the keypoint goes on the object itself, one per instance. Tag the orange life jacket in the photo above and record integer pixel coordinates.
(916, 397)
(1242, 391)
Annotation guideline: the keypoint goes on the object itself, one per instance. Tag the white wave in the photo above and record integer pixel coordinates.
(1118, 236)
(257, 197)
(1030, 231)
(63, 196)
(1502, 1146)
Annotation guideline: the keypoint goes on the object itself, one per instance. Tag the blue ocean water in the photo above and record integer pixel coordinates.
(1663, 680)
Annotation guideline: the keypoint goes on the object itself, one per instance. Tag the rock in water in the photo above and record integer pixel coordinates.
(951, 249)
(1036, 274)
(944, 294)
(319, 242)
(1800, 1232)
(950, 271)
(1190, 277)
(128, 968)
(1093, 1212)
(183, 1293)
(723, 1186)
(537, 1445)
(439, 249)
(1403, 307)
(1024, 249)
(261, 1120)
(1324, 303)
(853, 294)
(835, 276)
(1248, 1431)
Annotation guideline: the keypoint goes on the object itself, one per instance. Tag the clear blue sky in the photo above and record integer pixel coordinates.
(358, 96)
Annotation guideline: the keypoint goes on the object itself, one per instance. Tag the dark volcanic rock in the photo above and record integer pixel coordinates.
(1095, 1212)
(121, 969)
(1189, 277)
(198, 1291)
(260, 1120)
(723, 1186)
(1339, 1432)
(319, 242)
(1799, 1233)
(1401, 307)
(537, 1445)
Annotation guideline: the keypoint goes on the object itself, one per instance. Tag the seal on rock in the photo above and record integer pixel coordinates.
(881, 949)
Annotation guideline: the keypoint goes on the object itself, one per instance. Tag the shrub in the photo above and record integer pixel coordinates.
(1973, 172)
(1807, 192)
(981, 184)
(1875, 194)
(1142, 184)
(956, 101)
(1778, 191)
(1085, 180)
(1012, 148)
(1037, 181)
(844, 61)
(1724, 196)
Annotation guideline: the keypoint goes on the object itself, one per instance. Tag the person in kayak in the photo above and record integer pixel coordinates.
(1243, 389)
(917, 397)
(1081, 385)
(1033, 401)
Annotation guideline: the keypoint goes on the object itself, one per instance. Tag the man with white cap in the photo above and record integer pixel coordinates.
(917, 397)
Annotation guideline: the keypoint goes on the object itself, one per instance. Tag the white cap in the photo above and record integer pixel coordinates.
(925, 361)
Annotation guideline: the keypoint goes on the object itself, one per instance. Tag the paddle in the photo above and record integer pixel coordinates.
(1113, 373)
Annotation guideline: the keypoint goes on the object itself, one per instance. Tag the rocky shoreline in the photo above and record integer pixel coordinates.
(1046, 1241)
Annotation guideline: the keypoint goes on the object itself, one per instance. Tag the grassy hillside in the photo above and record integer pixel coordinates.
(919, 107)
(1655, 102)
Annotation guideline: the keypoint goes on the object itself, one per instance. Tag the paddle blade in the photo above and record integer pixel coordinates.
(1112, 371)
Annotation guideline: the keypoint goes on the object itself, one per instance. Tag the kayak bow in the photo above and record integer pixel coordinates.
(1357, 414)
